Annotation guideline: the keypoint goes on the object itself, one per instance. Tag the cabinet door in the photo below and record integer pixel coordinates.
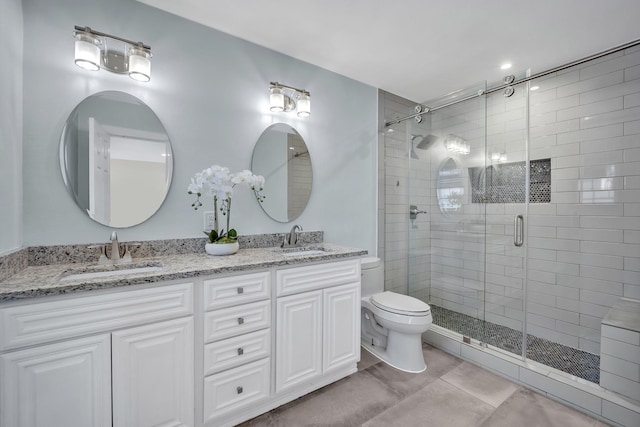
(66, 384)
(298, 339)
(341, 326)
(153, 375)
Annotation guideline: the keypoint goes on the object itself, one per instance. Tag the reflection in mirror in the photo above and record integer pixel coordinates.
(282, 157)
(116, 159)
(450, 187)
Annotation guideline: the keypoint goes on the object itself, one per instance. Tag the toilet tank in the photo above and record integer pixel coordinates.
(372, 276)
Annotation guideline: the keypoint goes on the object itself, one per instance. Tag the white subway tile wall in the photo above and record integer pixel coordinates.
(590, 191)
(582, 249)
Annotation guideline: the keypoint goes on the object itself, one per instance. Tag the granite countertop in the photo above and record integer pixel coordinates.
(38, 281)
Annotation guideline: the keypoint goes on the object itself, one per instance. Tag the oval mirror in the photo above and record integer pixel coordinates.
(450, 187)
(116, 159)
(282, 157)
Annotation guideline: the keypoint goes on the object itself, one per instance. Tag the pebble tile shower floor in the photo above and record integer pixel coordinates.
(570, 360)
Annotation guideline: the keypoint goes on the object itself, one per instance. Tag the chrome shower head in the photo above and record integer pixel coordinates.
(423, 141)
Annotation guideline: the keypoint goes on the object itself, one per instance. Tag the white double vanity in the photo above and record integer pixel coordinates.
(205, 349)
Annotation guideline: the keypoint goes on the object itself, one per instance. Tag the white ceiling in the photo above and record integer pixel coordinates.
(422, 49)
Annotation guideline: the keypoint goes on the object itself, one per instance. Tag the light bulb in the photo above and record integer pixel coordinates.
(304, 105)
(139, 64)
(276, 99)
(87, 53)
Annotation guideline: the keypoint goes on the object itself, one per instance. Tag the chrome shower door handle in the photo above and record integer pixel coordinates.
(518, 230)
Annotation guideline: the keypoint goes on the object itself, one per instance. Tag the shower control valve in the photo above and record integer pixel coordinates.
(413, 212)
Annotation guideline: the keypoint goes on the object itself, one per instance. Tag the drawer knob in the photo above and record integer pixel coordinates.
(239, 389)
(240, 290)
(240, 351)
(240, 320)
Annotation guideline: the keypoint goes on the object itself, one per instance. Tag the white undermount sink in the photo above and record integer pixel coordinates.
(308, 252)
(303, 251)
(109, 271)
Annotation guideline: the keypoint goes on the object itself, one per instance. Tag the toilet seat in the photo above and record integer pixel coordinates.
(400, 304)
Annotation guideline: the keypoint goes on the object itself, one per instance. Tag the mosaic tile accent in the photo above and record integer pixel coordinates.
(505, 183)
(570, 360)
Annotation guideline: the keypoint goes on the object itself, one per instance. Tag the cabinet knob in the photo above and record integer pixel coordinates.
(240, 290)
(240, 351)
(240, 320)
(239, 389)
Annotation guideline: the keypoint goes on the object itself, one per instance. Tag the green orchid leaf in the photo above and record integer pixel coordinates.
(213, 236)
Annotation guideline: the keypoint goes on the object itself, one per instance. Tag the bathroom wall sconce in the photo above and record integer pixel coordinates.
(457, 145)
(95, 50)
(287, 98)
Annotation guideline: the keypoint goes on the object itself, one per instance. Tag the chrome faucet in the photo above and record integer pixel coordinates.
(291, 239)
(115, 248)
(115, 258)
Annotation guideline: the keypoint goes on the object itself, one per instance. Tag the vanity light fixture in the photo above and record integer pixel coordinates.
(457, 145)
(95, 50)
(498, 157)
(287, 98)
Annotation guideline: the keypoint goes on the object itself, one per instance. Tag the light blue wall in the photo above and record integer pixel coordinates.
(10, 125)
(210, 91)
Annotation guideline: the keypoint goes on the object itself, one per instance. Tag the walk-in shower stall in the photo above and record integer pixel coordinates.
(515, 213)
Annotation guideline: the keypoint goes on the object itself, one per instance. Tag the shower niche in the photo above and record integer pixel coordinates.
(506, 182)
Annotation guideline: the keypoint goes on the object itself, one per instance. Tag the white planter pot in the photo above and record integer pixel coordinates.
(221, 249)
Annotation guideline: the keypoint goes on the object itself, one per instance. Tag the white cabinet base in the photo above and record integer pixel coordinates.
(141, 376)
(138, 373)
(66, 384)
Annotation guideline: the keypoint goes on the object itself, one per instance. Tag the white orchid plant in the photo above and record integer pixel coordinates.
(218, 182)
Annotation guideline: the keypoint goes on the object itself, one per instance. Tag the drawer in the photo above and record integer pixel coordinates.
(236, 351)
(235, 290)
(232, 321)
(236, 388)
(301, 279)
(49, 321)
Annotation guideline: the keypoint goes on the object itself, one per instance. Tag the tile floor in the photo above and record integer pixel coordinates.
(450, 393)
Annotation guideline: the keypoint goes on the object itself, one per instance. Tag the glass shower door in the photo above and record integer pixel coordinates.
(504, 186)
(447, 244)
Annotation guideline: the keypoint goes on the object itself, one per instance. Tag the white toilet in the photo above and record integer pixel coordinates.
(392, 324)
